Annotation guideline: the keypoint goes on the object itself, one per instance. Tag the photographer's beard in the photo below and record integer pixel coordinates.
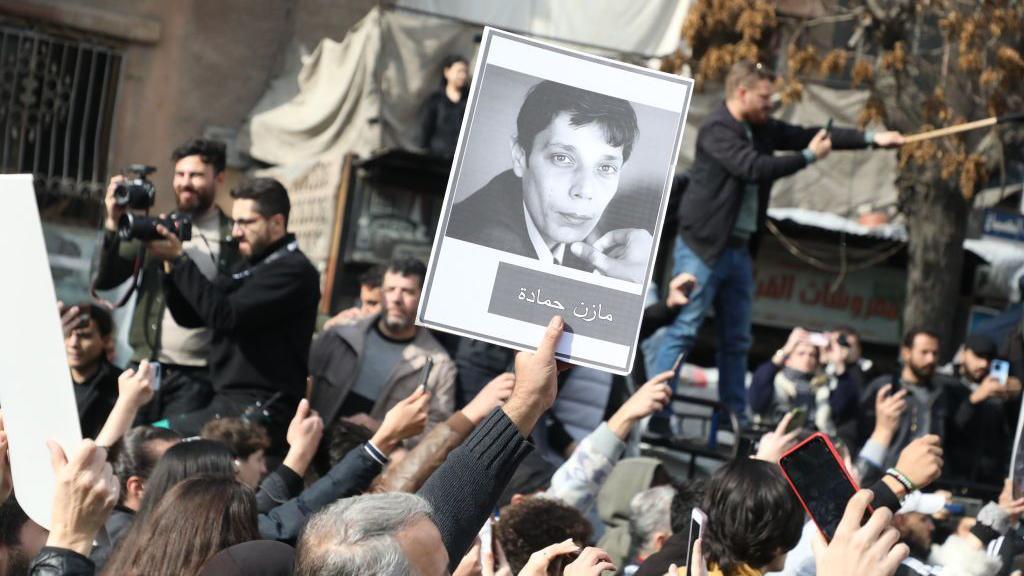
(194, 201)
(252, 246)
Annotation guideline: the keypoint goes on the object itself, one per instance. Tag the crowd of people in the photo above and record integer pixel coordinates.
(249, 436)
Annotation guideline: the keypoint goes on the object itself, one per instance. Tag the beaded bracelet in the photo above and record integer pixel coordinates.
(902, 479)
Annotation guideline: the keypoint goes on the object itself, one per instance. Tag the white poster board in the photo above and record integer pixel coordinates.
(559, 151)
(35, 391)
(1017, 458)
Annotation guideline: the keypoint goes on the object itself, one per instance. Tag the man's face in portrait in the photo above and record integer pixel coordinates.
(569, 177)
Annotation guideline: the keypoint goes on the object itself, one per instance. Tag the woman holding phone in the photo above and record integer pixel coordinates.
(794, 380)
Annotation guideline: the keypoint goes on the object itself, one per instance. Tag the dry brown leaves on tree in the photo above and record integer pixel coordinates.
(834, 63)
(722, 32)
(896, 59)
(862, 73)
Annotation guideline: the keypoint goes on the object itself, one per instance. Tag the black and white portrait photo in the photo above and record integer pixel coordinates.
(560, 178)
(568, 151)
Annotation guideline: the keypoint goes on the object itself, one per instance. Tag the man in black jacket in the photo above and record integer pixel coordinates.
(87, 343)
(926, 398)
(982, 413)
(154, 334)
(723, 210)
(262, 316)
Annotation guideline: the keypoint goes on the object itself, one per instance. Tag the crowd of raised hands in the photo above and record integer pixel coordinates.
(86, 489)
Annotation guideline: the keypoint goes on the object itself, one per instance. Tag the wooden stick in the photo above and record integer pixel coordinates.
(951, 130)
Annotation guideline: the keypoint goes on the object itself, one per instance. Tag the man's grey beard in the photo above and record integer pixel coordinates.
(396, 325)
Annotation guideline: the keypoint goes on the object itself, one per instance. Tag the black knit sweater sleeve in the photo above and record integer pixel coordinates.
(464, 490)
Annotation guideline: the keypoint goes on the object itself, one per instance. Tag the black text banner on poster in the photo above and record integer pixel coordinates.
(588, 310)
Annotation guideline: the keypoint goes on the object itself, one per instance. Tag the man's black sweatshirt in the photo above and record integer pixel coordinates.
(727, 160)
(464, 490)
(262, 322)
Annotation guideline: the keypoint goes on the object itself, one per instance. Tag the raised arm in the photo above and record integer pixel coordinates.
(134, 389)
(466, 487)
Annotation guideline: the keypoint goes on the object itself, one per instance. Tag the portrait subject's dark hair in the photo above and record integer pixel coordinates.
(269, 194)
(753, 515)
(548, 99)
(212, 152)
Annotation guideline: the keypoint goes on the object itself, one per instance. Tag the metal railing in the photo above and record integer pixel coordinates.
(57, 99)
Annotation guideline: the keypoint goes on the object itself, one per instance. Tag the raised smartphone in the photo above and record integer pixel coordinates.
(817, 475)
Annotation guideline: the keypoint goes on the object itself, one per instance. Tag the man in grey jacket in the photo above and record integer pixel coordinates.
(361, 370)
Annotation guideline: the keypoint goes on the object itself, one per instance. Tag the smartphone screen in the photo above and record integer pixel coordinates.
(1000, 369)
(158, 374)
(697, 519)
(820, 481)
(818, 339)
(799, 419)
(425, 373)
(485, 537)
(677, 366)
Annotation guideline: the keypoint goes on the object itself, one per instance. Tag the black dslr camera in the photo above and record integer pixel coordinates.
(135, 191)
(132, 227)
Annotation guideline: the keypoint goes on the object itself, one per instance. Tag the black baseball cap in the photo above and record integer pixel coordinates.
(983, 346)
(253, 558)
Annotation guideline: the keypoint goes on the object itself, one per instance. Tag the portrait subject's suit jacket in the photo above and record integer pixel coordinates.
(493, 216)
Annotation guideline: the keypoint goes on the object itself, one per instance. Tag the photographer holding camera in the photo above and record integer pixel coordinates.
(154, 334)
(262, 315)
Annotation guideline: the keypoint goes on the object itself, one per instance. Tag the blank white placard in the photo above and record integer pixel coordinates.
(35, 387)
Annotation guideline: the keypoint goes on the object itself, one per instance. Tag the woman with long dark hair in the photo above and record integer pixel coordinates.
(183, 461)
(443, 110)
(194, 521)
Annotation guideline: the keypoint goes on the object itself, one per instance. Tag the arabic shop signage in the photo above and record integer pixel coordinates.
(789, 293)
(1001, 224)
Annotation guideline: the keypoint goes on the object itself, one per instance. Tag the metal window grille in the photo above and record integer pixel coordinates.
(57, 97)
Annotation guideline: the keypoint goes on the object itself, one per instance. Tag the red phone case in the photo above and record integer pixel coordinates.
(842, 467)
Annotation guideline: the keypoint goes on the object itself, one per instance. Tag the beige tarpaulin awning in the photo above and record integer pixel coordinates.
(363, 95)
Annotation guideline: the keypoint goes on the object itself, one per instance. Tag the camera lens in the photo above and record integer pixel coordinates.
(121, 195)
(126, 226)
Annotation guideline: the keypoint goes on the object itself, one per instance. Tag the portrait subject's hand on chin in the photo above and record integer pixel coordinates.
(618, 254)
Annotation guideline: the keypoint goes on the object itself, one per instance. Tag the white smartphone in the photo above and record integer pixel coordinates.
(1000, 369)
(158, 374)
(818, 339)
(697, 520)
(485, 537)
